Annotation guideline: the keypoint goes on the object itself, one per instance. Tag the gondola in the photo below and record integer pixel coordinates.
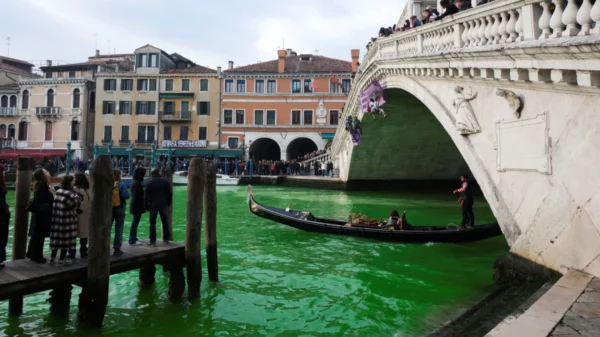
(419, 234)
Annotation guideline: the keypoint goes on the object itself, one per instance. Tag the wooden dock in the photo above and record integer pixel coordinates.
(23, 277)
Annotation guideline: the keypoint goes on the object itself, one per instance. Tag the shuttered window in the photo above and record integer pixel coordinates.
(203, 108)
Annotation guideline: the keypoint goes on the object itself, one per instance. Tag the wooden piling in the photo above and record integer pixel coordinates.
(167, 173)
(60, 300)
(93, 304)
(147, 276)
(210, 223)
(195, 194)
(22, 196)
(176, 280)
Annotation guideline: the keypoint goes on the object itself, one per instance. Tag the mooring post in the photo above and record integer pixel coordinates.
(146, 277)
(94, 296)
(22, 195)
(195, 206)
(167, 173)
(60, 300)
(210, 223)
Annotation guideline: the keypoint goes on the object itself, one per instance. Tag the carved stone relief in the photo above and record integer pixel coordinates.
(466, 122)
(514, 102)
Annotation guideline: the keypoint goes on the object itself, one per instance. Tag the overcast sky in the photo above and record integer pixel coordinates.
(209, 33)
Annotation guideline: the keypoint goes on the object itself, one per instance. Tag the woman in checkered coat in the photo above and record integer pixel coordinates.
(63, 231)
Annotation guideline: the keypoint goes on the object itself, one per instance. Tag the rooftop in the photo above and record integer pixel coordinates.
(8, 67)
(191, 70)
(304, 63)
(10, 59)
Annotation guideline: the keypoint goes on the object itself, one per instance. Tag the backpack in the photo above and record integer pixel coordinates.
(116, 197)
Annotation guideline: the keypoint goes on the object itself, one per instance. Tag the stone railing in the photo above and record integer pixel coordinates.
(8, 111)
(325, 156)
(501, 24)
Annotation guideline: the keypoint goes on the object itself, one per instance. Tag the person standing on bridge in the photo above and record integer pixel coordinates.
(4, 217)
(158, 198)
(466, 203)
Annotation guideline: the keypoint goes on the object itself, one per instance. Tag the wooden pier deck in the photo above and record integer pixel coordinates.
(23, 277)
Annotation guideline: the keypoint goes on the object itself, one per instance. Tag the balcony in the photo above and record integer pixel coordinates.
(8, 112)
(47, 111)
(8, 143)
(176, 116)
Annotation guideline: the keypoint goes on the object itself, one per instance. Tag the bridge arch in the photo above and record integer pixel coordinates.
(299, 147)
(265, 149)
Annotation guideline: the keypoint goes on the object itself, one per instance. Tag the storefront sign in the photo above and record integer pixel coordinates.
(183, 143)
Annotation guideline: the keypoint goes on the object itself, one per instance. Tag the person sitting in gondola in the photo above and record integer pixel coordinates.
(402, 223)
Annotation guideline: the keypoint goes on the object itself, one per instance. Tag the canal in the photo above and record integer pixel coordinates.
(279, 281)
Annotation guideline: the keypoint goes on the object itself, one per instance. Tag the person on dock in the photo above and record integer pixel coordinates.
(82, 187)
(136, 207)
(158, 198)
(41, 213)
(119, 203)
(466, 203)
(63, 231)
(4, 217)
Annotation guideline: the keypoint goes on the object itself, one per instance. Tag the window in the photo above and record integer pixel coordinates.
(203, 108)
(74, 130)
(125, 108)
(168, 108)
(13, 102)
(126, 84)
(108, 108)
(107, 134)
(110, 84)
(23, 130)
(308, 114)
(228, 85)
(153, 84)
(169, 84)
(204, 84)
(76, 98)
(167, 132)
(93, 100)
(308, 85)
(48, 131)
(71, 74)
(296, 88)
(258, 117)
(50, 98)
(202, 133)
(334, 116)
(233, 142)
(145, 134)
(153, 61)
(335, 87)
(25, 99)
(185, 110)
(142, 61)
(271, 86)
(48, 74)
(183, 133)
(11, 131)
(185, 84)
(145, 108)
(124, 133)
(142, 85)
(4, 102)
(270, 117)
(228, 116)
(241, 86)
(2, 131)
(259, 86)
(296, 117)
(346, 84)
(239, 116)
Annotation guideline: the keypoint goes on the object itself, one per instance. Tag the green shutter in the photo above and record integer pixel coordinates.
(151, 108)
(208, 108)
(198, 108)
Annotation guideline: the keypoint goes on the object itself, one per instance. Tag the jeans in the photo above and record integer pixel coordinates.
(163, 220)
(119, 220)
(134, 226)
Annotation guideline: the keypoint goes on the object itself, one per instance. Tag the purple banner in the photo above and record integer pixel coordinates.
(374, 90)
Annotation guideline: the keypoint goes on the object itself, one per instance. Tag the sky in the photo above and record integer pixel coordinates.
(209, 33)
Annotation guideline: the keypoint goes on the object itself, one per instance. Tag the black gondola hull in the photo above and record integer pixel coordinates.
(420, 234)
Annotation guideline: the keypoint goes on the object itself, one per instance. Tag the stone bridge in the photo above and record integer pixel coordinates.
(508, 91)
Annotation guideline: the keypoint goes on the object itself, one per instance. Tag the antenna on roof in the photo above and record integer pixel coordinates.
(8, 46)
(283, 43)
(96, 35)
(316, 52)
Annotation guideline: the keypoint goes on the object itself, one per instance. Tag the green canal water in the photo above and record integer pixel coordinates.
(279, 281)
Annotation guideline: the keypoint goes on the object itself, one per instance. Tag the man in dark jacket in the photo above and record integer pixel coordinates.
(449, 9)
(158, 198)
(137, 206)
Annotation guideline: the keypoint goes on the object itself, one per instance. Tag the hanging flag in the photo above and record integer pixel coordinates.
(313, 85)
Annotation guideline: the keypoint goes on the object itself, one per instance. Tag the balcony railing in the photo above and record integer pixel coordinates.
(47, 111)
(175, 116)
(8, 111)
(8, 143)
(144, 141)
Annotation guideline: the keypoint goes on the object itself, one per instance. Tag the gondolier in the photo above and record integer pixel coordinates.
(466, 202)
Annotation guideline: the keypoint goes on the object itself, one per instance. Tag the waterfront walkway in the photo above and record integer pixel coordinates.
(571, 308)
(23, 277)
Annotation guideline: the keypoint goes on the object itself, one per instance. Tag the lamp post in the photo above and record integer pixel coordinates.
(68, 163)
(109, 147)
(169, 156)
(130, 160)
(219, 126)
(153, 162)
(95, 150)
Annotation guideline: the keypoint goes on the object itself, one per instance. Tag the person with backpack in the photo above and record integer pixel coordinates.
(136, 207)
(120, 195)
(158, 197)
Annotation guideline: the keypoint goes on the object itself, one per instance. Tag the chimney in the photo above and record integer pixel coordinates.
(281, 54)
(48, 63)
(230, 65)
(219, 71)
(355, 54)
(97, 52)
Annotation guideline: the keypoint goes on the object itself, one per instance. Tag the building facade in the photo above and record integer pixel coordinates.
(166, 100)
(284, 108)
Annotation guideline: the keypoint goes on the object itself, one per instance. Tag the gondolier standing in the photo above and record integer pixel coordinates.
(466, 202)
